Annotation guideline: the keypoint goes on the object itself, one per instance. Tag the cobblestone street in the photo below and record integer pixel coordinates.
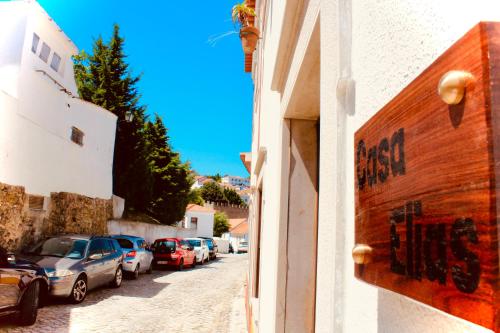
(207, 298)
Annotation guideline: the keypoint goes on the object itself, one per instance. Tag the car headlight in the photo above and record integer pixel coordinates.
(60, 273)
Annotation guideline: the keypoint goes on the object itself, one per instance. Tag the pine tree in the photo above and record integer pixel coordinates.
(104, 78)
(172, 178)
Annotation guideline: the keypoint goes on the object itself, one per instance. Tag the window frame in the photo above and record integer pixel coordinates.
(34, 45)
(44, 58)
(58, 65)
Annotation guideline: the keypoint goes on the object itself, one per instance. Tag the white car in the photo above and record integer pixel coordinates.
(243, 247)
(200, 249)
(136, 257)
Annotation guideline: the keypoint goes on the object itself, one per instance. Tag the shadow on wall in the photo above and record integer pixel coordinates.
(400, 314)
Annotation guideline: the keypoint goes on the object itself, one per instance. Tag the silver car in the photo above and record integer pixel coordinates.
(138, 257)
(76, 264)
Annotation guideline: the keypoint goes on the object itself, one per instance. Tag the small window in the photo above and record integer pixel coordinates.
(194, 222)
(44, 54)
(77, 136)
(34, 44)
(56, 61)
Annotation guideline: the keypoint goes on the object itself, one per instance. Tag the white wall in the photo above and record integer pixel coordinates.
(392, 43)
(385, 46)
(205, 226)
(150, 232)
(36, 150)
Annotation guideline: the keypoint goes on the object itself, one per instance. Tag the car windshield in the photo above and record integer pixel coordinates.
(164, 246)
(244, 244)
(61, 247)
(194, 242)
(125, 243)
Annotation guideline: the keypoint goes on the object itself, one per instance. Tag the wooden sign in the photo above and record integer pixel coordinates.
(428, 187)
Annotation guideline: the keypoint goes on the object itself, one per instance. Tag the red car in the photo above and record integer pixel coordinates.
(174, 252)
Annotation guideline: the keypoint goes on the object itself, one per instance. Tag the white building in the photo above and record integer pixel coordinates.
(50, 140)
(236, 181)
(201, 219)
(238, 232)
(321, 70)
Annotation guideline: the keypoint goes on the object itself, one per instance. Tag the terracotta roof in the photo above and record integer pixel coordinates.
(198, 208)
(240, 229)
(235, 222)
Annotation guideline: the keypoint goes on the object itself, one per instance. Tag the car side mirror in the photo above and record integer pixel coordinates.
(95, 256)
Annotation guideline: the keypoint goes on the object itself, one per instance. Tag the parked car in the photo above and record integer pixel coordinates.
(76, 264)
(200, 248)
(212, 247)
(243, 247)
(137, 258)
(22, 285)
(174, 252)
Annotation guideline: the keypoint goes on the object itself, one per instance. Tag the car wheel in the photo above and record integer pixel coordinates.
(117, 281)
(28, 309)
(181, 265)
(135, 274)
(150, 269)
(79, 290)
(193, 265)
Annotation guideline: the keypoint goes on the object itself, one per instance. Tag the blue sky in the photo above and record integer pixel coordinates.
(200, 90)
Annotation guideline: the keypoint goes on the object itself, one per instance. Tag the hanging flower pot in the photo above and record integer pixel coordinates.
(249, 36)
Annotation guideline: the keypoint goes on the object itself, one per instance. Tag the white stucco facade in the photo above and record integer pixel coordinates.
(333, 64)
(39, 109)
(201, 219)
(236, 181)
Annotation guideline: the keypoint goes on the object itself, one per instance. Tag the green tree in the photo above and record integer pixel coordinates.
(172, 178)
(194, 197)
(104, 78)
(221, 224)
(233, 197)
(217, 177)
(211, 191)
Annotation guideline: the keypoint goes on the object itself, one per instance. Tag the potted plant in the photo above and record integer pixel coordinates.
(248, 33)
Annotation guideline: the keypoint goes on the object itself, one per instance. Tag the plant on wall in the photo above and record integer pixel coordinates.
(248, 33)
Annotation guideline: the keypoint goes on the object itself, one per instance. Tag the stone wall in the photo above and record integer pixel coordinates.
(232, 211)
(13, 216)
(70, 213)
(25, 218)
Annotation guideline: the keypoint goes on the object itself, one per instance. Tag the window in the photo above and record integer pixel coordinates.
(107, 247)
(164, 246)
(56, 61)
(44, 54)
(194, 222)
(95, 247)
(77, 136)
(34, 43)
(125, 243)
